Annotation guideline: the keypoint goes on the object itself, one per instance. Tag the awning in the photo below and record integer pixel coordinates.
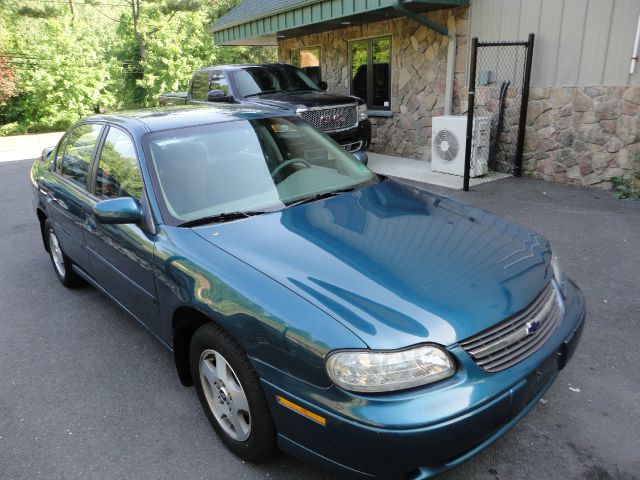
(263, 22)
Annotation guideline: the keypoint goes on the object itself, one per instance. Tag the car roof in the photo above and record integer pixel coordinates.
(168, 118)
(240, 66)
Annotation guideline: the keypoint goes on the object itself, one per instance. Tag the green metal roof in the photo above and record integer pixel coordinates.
(260, 22)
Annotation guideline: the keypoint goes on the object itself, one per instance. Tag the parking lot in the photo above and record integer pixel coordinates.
(86, 393)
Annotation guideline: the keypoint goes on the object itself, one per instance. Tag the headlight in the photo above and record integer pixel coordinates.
(560, 276)
(362, 112)
(386, 371)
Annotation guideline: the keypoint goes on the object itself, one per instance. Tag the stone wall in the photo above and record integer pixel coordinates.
(583, 135)
(418, 71)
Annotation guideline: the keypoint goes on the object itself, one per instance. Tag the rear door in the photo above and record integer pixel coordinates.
(122, 255)
(67, 192)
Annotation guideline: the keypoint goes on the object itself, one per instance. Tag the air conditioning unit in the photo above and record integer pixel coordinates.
(448, 144)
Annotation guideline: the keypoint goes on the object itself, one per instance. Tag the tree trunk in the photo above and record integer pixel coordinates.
(135, 13)
(73, 11)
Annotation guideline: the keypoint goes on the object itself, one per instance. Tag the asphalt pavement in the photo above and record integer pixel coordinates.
(86, 393)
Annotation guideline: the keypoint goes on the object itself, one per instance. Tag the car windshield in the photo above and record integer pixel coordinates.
(271, 78)
(247, 166)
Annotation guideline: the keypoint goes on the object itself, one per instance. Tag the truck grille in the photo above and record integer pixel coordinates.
(331, 119)
(501, 347)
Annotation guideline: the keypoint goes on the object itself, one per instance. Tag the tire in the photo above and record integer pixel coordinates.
(230, 394)
(62, 264)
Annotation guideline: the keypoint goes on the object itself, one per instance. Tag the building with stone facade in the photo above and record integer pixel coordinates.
(583, 122)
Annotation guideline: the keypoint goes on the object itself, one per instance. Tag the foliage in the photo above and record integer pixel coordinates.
(626, 187)
(7, 79)
(60, 62)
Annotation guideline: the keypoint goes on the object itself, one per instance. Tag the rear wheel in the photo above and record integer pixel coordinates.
(230, 394)
(61, 263)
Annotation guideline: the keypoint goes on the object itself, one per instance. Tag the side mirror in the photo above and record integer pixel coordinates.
(217, 96)
(323, 85)
(361, 156)
(45, 153)
(118, 211)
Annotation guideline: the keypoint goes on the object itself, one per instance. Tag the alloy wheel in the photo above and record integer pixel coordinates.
(56, 253)
(225, 396)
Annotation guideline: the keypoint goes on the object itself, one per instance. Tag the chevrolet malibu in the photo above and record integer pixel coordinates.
(343, 317)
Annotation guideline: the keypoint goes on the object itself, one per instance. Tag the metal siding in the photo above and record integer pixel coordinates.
(510, 12)
(530, 23)
(571, 34)
(548, 40)
(578, 42)
(620, 48)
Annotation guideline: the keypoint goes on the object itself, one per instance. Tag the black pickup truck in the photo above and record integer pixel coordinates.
(342, 117)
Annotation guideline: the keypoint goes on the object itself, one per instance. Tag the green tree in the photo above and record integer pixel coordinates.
(69, 59)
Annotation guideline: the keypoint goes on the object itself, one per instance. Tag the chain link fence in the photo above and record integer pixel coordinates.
(498, 96)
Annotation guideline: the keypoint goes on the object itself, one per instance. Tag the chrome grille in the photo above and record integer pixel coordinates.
(512, 341)
(331, 119)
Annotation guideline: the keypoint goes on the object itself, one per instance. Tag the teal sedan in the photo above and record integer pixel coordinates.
(346, 318)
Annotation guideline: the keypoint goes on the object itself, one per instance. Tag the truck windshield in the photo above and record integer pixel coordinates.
(271, 78)
(247, 166)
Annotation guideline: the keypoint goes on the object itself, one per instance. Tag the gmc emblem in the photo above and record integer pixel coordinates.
(327, 119)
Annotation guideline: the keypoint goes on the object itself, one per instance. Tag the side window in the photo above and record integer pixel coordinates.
(308, 59)
(118, 171)
(219, 82)
(371, 71)
(77, 153)
(200, 86)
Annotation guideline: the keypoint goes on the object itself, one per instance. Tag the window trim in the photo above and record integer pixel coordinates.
(369, 40)
(308, 47)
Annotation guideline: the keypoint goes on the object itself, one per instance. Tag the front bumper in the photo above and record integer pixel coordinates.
(420, 433)
(354, 139)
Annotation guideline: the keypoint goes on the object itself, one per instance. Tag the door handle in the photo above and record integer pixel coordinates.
(90, 225)
(59, 201)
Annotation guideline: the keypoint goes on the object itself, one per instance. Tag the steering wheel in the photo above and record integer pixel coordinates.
(286, 163)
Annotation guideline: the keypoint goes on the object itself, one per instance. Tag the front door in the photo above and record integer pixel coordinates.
(122, 255)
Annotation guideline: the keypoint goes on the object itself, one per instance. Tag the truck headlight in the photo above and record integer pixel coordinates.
(386, 371)
(560, 276)
(363, 114)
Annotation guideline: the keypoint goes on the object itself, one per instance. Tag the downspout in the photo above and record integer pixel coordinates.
(449, 31)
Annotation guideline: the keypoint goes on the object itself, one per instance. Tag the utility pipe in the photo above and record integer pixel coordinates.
(449, 32)
(636, 47)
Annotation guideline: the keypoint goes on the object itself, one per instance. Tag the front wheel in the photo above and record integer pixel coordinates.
(230, 394)
(62, 265)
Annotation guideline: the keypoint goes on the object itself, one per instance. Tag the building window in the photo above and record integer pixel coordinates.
(372, 55)
(308, 59)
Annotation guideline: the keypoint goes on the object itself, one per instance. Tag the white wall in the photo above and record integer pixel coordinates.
(578, 42)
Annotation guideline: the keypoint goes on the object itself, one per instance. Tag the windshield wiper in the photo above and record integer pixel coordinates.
(320, 196)
(219, 218)
(260, 93)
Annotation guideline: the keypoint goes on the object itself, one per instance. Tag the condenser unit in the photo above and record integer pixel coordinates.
(448, 144)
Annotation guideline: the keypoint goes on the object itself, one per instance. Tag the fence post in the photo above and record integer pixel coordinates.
(470, 109)
(523, 107)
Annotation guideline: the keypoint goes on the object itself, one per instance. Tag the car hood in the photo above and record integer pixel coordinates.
(395, 264)
(295, 100)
